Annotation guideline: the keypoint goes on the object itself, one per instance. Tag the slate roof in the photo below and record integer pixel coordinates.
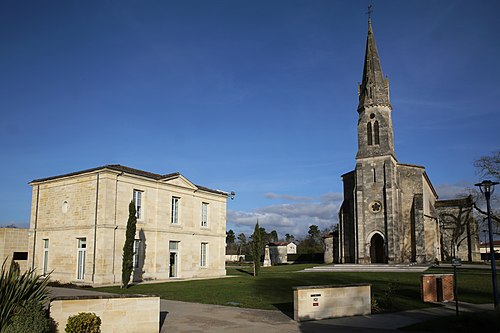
(129, 170)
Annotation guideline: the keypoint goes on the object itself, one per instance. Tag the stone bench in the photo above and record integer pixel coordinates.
(118, 313)
(331, 301)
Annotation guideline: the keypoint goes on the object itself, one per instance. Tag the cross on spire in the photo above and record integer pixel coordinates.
(369, 12)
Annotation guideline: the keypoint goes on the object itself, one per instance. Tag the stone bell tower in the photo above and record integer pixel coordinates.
(371, 189)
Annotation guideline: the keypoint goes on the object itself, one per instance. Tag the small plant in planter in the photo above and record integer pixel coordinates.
(84, 322)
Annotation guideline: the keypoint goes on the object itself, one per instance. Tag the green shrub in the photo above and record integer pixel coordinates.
(30, 318)
(17, 290)
(84, 322)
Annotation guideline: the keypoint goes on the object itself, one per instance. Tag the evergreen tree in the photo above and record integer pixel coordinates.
(256, 249)
(128, 247)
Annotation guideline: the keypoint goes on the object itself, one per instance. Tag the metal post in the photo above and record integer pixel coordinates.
(492, 251)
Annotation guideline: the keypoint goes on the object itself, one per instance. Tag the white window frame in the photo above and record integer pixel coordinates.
(45, 263)
(204, 214)
(175, 210)
(81, 256)
(136, 259)
(137, 198)
(203, 254)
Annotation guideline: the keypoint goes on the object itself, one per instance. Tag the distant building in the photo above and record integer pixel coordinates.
(389, 210)
(279, 251)
(14, 247)
(485, 250)
(78, 223)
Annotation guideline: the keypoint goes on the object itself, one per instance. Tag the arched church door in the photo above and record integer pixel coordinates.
(377, 253)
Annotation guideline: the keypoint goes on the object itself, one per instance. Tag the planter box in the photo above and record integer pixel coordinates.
(118, 313)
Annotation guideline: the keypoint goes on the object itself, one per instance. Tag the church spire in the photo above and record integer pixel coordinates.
(374, 89)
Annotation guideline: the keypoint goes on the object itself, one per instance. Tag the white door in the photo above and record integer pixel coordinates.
(82, 249)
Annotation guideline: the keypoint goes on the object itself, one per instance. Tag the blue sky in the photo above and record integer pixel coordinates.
(257, 97)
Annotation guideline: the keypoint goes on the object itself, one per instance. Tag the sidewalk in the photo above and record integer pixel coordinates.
(180, 317)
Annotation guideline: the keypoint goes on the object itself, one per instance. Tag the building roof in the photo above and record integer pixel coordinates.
(279, 243)
(132, 171)
(461, 202)
(374, 89)
(495, 244)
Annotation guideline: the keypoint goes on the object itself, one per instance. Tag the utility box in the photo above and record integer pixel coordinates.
(437, 287)
(331, 301)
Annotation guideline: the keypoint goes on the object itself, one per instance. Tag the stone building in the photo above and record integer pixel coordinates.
(279, 251)
(388, 214)
(78, 223)
(14, 246)
(459, 229)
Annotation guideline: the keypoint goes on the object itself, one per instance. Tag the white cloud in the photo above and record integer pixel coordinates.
(452, 191)
(293, 218)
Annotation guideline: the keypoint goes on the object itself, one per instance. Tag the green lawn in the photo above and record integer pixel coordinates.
(272, 289)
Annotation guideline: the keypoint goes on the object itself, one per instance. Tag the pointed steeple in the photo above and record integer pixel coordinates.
(374, 89)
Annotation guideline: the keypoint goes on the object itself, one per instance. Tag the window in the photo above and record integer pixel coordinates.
(20, 256)
(137, 254)
(138, 203)
(203, 255)
(45, 263)
(369, 133)
(175, 210)
(374, 175)
(204, 214)
(375, 132)
(82, 249)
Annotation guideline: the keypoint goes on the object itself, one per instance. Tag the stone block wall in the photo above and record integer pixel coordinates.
(118, 313)
(14, 240)
(322, 302)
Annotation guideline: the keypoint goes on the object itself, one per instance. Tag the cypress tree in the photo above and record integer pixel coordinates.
(128, 247)
(256, 249)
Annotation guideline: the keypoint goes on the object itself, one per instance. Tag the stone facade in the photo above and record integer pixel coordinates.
(279, 251)
(14, 246)
(460, 236)
(388, 214)
(78, 224)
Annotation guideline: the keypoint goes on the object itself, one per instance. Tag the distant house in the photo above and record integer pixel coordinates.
(78, 223)
(14, 247)
(485, 250)
(279, 251)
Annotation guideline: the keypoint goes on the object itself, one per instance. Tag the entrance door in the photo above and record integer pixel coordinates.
(377, 253)
(173, 264)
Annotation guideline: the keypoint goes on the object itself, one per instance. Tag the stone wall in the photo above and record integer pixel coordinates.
(14, 242)
(118, 313)
(322, 302)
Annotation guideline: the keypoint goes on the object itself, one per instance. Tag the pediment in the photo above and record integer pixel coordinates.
(180, 181)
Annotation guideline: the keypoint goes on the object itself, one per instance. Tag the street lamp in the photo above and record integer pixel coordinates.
(487, 187)
(231, 195)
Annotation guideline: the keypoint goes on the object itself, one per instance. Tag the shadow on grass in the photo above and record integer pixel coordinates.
(244, 271)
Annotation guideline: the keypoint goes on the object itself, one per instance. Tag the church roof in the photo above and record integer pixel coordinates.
(374, 88)
(125, 169)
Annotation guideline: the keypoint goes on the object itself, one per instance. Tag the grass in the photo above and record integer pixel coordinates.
(272, 289)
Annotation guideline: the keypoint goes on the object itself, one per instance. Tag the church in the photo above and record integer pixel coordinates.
(390, 212)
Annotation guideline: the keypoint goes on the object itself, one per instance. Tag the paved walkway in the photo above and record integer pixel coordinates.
(183, 317)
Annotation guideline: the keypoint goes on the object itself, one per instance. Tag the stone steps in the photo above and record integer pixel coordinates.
(367, 268)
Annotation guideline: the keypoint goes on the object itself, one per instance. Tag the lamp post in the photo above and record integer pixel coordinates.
(487, 187)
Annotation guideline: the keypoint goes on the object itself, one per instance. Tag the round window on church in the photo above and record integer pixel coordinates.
(375, 207)
(372, 115)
